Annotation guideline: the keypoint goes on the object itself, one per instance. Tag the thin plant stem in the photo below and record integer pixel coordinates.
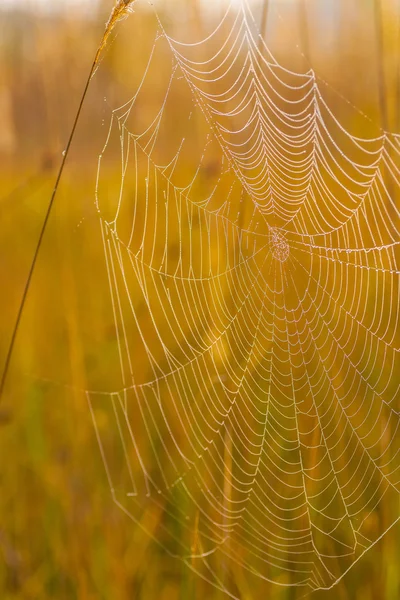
(398, 71)
(383, 106)
(304, 34)
(120, 10)
(263, 23)
(380, 65)
(260, 45)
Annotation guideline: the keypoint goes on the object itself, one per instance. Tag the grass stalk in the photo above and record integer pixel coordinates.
(120, 10)
(397, 116)
(263, 23)
(380, 65)
(304, 33)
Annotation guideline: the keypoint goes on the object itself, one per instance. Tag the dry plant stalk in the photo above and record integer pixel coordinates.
(121, 10)
(380, 58)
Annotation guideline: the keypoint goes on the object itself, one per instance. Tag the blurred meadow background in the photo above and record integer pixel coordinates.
(61, 535)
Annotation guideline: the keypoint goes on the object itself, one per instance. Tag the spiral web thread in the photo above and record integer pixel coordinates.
(256, 305)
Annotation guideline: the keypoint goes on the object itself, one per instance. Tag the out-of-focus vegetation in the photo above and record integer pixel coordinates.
(61, 536)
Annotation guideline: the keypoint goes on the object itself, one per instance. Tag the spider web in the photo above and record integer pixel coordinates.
(252, 259)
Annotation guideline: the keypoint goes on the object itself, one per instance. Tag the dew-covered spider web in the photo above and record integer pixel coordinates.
(252, 255)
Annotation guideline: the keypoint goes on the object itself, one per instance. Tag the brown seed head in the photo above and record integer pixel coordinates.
(121, 10)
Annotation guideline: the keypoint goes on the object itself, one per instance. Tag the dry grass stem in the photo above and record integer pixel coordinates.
(120, 11)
